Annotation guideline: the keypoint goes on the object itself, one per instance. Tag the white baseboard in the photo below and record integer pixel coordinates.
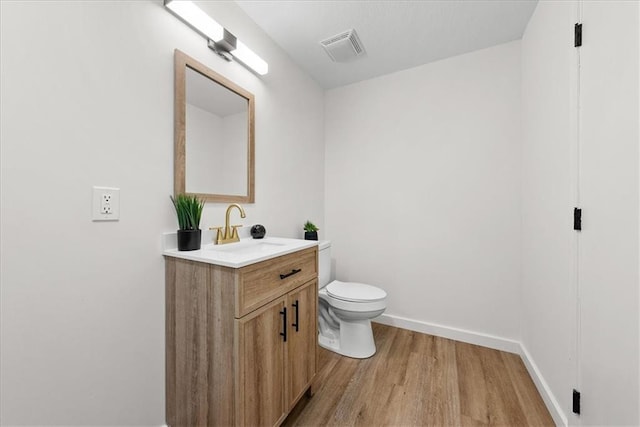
(484, 340)
(477, 338)
(543, 388)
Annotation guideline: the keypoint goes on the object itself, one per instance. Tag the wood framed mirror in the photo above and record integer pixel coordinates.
(214, 134)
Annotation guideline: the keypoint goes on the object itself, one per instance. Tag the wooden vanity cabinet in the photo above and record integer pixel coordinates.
(275, 373)
(302, 345)
(227, 361)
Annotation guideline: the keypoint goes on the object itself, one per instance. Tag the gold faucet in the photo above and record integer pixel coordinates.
(229, 235)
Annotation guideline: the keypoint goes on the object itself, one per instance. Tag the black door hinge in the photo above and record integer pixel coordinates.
(577, 35)
(577, 219)
(576, 402)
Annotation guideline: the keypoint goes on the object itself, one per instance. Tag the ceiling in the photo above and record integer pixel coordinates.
(396, 34)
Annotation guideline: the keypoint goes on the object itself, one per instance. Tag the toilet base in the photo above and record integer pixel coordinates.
(355, 339)
(330, 344)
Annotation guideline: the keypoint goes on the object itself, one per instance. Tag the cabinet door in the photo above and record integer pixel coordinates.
(302, 342)
(261, 391)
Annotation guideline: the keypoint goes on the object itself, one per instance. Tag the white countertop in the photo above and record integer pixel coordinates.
(247, 251)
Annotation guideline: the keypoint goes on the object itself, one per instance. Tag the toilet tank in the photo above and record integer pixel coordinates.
(324, 263)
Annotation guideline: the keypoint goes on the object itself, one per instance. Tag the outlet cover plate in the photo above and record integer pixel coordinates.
(106, 197)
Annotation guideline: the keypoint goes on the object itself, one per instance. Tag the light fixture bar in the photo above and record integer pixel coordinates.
(217, 35)
(249, 58)
(196, 18)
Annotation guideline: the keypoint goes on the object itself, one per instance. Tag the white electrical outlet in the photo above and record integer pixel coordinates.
(106, 204)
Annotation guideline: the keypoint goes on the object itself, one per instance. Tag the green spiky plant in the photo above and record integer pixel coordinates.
(188, 210)
(310, 227)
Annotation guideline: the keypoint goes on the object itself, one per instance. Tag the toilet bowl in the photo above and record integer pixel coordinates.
(345, 310)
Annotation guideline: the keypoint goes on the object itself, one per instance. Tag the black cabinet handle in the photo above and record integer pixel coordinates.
(284, 323)
(295, 271)
(295, 324)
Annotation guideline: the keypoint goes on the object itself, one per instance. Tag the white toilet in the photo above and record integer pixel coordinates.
(345, 310)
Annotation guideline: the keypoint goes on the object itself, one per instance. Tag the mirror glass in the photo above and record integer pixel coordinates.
(214, 135)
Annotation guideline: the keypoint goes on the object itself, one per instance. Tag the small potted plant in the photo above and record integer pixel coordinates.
(189, 212)
(310, 231)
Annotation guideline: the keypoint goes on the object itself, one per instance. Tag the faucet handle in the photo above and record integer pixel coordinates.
(234, 230)
(218, 237)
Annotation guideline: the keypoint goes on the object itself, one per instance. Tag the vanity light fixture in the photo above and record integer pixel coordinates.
(220, 40)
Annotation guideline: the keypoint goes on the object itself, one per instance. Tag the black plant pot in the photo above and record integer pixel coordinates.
(189, 240)
(310, 235)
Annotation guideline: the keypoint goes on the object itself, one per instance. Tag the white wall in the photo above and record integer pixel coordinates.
(580, 148)
(548, 197)
(609, 191)
(87, 99)
(423, 189)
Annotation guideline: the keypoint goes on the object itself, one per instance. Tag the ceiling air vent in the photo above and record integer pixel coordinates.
(343, 47)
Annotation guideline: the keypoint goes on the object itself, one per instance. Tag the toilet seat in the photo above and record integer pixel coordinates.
(354, 306)
(355, 292)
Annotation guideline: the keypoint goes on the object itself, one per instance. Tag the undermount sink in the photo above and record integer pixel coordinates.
(243, 253)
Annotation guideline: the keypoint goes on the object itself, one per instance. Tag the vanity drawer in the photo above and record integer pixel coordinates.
(267, 280)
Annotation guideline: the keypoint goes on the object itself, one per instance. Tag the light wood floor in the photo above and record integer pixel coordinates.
(417, 379)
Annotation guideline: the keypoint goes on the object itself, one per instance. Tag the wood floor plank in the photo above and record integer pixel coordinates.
(403, 407)
(504, 407)
(419, 380)
(443, 404)
(391, 386)
(470, 422)
(526, 391)
(355, 407)
(331, 390)
(474, 404)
